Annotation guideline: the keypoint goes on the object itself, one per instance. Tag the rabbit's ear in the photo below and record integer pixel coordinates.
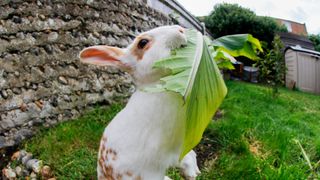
(102, 56)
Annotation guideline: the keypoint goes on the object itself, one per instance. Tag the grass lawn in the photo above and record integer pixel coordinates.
(254, 139)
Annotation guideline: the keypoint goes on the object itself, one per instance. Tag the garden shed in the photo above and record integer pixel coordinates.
(303, 69)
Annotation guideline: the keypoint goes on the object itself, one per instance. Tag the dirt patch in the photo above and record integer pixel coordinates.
(256, 148)
(206, 151)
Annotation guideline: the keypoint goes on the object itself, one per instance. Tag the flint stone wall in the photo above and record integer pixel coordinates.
(42, 81)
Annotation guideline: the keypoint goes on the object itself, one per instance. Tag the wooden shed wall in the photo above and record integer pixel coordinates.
(304, 70)
(318, 76)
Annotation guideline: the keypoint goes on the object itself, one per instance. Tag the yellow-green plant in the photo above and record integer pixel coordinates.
(223, 49)
(195, 76)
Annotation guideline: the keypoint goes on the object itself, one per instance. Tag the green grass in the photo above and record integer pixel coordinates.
(253, 140)
(255, 136)
(71, 147)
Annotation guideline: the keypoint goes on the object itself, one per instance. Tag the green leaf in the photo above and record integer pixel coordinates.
(227, 65)
(223, 59)
(206, 95)
(182, 66)
(238, 45)
(196, 77)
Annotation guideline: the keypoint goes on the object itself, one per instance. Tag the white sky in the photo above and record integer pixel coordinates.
(302, 11)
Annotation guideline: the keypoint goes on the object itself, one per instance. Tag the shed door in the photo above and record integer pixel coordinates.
(291, 64)
(307, 73)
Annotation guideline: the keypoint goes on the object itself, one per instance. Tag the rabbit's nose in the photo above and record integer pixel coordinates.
(182, 30)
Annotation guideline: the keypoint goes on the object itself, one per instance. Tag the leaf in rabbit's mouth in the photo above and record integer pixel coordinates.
(196, 77)
(173, 52)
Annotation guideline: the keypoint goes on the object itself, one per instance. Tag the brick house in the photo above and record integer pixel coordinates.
(293, 27)
(297, 34)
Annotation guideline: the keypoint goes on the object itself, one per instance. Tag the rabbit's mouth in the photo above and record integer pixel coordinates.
(178, 43)
(183, 46)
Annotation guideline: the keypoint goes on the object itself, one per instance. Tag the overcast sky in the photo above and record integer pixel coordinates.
(302, 11)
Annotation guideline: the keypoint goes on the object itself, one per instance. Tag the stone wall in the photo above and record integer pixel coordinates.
(41, 80)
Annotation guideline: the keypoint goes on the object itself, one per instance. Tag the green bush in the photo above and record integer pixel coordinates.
(272, 68)
(316, 41)
(226, 19)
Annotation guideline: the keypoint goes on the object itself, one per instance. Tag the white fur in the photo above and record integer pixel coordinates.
(147, 135)
(188, 166)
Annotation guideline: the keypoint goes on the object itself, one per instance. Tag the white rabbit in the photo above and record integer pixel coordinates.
(146, 137)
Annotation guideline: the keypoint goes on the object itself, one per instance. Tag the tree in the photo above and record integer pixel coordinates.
(226, 19)
(315, 39)
(272, 68)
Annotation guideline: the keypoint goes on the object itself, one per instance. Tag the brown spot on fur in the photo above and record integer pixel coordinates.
(105, 168)
(101, 152)
(101, 169)
(101, 162)
(115, 153)
(111, 153)
(140, 52)
(102, 148)
(104, 139)
(114, 158)
(138, 178)
(128, 173)
(109, 172)
(119, 176)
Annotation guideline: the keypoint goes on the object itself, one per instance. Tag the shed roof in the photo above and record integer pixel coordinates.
(301, 49)
(290, 39)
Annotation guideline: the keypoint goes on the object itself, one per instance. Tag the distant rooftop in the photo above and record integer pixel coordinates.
(293, 27)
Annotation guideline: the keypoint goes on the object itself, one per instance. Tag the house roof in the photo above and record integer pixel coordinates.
(290, 39)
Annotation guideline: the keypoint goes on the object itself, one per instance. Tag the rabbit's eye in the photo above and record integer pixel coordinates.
(142, 43)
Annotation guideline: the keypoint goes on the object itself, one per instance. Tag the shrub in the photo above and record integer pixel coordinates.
(272, 67)
(315, 40)
(226, 19)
